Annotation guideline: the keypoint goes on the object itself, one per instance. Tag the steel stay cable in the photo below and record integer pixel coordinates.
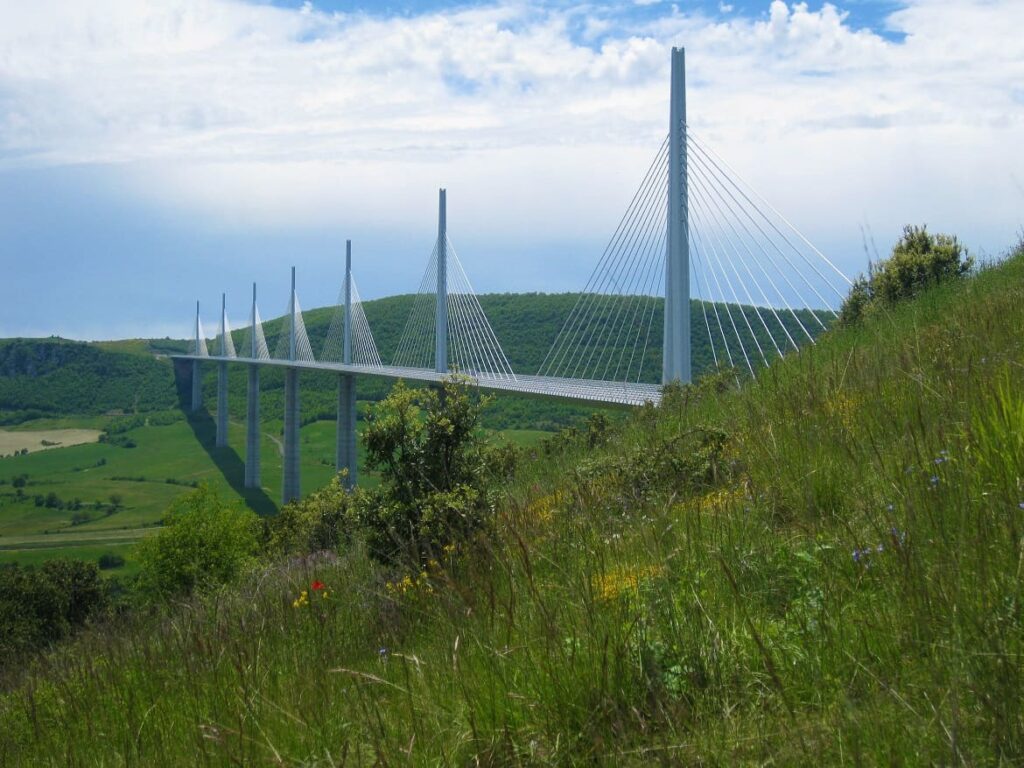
(707, 285)
(728, 310)
(405, 340)
(649, 204)
(477, 355)
(571, 319)
(753, 258)
(701, 170)
(776, 247)
(639, 228)
(739, 278)
(719, 258)
(488, 339)
(644, 277)
(656, 268)
(487, 336)
(709, 151)
(704, 311)
(566, 333)
(636, 269)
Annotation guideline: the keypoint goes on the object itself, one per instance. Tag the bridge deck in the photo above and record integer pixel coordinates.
(583, 390)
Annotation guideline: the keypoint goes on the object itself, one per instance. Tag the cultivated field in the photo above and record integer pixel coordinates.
(44, 439)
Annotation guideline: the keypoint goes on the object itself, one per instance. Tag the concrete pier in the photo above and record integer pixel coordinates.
(222, 405)
(346, 455)
(197, 386)
(290, 490)
(252, 430)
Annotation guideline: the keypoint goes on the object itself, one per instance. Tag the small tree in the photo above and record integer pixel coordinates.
(205, 542)
(430, 452)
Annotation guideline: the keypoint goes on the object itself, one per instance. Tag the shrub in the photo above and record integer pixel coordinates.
(919, 259)
(109, 560)
(205, 542)
(40, 606)
(317, 522)
(431, 455)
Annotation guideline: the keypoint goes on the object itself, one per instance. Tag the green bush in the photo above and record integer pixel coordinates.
(919, 259)
(433, 461)
(41, 605)
(109, 560)
(312, 524)
(205, 542)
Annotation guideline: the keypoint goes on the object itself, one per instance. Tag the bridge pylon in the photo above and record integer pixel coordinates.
(197, 374)
(441, 320)
(290, 489)
(225, 351)
(252, 403)
(676, 340)
(346, 435)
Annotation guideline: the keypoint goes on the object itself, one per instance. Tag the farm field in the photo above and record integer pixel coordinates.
(44, 439)
(90, 499)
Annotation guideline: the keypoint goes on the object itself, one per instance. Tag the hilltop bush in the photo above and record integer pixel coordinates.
(918, 260)
(205, 542)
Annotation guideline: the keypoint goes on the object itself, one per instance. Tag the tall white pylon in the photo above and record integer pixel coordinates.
(676, 343)
(441, 320)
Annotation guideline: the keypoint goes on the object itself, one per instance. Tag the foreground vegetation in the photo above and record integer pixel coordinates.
(822, 567)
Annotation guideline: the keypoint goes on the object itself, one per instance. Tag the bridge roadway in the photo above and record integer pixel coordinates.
(580, 390)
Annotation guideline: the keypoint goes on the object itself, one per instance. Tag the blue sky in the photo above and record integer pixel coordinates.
(869, 14)
(158, 151)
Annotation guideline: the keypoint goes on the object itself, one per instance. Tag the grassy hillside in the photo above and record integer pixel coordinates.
(820, 568)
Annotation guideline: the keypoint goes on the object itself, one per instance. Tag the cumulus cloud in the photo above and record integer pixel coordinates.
(275, 117)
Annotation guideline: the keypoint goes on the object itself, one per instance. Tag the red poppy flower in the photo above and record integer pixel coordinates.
(316, 586)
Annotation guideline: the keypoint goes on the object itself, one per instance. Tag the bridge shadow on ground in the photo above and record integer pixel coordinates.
(230, 464)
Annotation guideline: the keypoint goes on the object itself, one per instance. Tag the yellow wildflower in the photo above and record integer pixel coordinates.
(843, 409)
(622, 580)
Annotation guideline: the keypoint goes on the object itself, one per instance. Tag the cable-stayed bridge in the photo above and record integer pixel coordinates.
(697, 255)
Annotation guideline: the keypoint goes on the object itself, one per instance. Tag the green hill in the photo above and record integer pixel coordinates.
(822, 567)
(45, 377)
(52, 377)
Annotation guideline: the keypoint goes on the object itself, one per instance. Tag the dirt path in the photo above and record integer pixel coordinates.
(277, 442)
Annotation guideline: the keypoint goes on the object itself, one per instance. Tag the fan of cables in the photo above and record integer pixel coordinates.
(473, 348)
(758, 287)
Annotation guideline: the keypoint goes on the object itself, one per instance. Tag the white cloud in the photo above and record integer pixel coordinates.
(268, 117)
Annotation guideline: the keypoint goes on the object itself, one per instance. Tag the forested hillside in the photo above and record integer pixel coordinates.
(41, 377)
(55, 376)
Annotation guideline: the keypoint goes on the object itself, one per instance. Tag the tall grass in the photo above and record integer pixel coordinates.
(821, 568)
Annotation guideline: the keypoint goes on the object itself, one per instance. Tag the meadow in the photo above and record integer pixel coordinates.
(165, 462)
